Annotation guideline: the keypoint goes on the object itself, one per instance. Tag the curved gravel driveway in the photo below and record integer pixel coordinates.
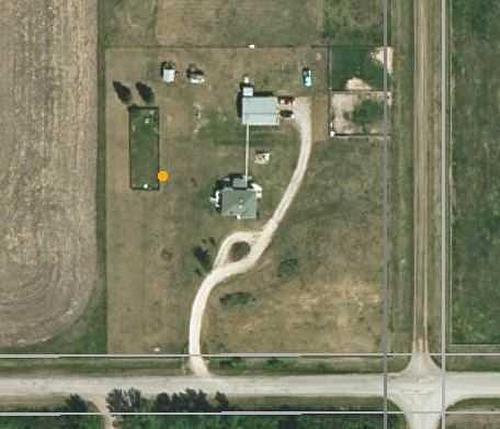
(262, 239)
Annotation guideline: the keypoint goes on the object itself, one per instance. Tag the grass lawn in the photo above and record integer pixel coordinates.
(144, 154)
(321, 273)
(241, 22)
(355, 62)
(353, 22)
(213, 22)
(476, 177)
(153, 271)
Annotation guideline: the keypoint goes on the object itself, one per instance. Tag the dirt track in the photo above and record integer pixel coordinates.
(427, 114)
(48, 99)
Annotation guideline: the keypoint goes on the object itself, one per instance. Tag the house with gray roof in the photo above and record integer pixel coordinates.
(237, 196)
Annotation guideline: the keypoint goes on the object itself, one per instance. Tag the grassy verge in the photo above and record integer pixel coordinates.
(401, 173)
(476, 420)
(54, 404)
(283, 366)
(94, 366)
(265, 422)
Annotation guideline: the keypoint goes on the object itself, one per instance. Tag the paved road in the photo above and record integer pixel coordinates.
(261, 240)
(411, 390)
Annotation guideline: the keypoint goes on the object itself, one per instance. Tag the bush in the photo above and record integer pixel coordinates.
(123, 92)
(145, 92)
(288, 267)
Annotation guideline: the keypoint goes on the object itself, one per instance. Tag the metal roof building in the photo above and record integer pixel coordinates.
(258, 110)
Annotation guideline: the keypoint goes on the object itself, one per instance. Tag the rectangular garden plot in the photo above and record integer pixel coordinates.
(144, 147)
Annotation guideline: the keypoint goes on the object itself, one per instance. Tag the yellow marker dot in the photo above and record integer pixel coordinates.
(163, 176)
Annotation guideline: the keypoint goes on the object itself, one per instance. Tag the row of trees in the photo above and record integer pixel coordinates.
(132, 400)
(189, 401)
(125, 94)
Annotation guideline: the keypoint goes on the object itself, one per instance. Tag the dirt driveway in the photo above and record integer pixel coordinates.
(48, 166)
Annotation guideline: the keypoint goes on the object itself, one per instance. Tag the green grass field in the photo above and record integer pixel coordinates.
(353, 22)
(144, 137)
(350, 62)
(475, 157)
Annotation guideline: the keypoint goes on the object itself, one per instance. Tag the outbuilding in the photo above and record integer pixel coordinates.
(168, 72)
(258, 110)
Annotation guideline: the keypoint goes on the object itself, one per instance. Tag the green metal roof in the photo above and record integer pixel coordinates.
(241, 203)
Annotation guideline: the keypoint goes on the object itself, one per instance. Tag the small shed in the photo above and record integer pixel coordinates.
(168, 72)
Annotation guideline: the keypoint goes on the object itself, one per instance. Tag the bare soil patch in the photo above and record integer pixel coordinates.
(48, 95)
(346, 114)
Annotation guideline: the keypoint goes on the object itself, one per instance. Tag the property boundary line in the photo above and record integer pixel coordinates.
(251, 413)
(308, 46)
(385, 218)
(7, 356)
(444, 86)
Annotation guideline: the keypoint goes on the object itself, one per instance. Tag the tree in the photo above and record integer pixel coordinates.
(126, 401)
(162, 403)
(123, 92)
(76, 404)
(368, 112)
(221, 401)
(203, 257)
(145, 92)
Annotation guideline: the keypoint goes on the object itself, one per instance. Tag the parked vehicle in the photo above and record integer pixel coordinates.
(195, 75)
(287, 114)
(307, 77)
(286, 100)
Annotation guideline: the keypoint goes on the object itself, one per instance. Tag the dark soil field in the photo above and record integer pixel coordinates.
(48, 112)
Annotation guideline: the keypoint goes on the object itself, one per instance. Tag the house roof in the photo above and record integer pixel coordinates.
(260, 111)
(241, 203)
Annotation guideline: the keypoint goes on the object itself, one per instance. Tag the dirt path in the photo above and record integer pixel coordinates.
(425, 143)
(48, 99)
(262, 240)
